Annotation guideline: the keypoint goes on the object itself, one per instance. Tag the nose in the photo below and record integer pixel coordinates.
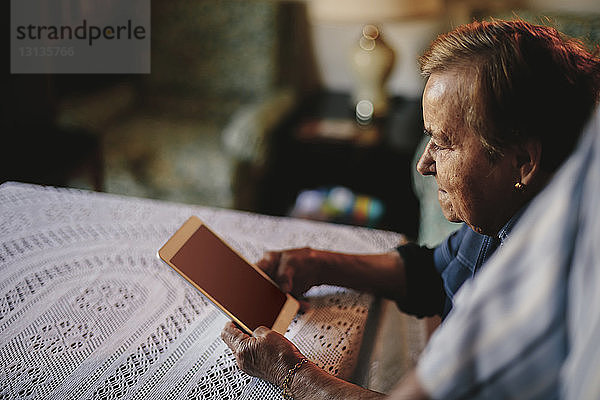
(426, 163)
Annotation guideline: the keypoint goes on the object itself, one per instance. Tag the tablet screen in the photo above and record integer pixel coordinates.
(229, 279)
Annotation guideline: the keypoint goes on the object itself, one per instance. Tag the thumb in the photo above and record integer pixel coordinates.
(285, 280)
(286, 285)
(261, 331)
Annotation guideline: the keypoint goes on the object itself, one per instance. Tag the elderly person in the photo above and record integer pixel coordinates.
(504, 105)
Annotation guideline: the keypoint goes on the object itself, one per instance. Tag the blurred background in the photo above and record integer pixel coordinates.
(256, 105)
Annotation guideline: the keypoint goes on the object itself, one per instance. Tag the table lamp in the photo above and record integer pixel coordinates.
(371, 59)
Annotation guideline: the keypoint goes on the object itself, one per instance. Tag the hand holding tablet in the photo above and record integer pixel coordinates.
(241, 290)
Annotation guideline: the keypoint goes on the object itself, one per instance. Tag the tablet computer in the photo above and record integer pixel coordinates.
(241, 290)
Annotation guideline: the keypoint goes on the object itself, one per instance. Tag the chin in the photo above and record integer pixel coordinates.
(454, 219)
(449, 214)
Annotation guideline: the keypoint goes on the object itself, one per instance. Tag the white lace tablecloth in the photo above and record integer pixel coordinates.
(88, 311)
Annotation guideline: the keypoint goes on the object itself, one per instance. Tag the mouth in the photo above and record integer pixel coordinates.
(438, 187)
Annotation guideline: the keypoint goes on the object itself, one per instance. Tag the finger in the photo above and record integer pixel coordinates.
(261, 331)
(285, 283)
(285, 275)
(232, 336)
(304, 306)
(269, 262)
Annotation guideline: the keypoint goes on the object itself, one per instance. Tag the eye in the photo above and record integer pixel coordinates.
(434, 140)
(434, 145)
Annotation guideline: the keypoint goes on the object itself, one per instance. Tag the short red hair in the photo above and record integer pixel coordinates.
(531, 82)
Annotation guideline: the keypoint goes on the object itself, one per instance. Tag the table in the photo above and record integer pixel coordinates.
(87, 310)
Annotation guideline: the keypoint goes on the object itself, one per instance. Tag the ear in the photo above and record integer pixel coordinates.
(528, 161)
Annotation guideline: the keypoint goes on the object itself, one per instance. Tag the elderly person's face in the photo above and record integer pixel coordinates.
(471, 188)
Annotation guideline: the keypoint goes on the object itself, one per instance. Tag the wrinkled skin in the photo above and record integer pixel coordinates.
(269, 356)
(294, 270)
(266, 354)
(471, 187)
(297, 270)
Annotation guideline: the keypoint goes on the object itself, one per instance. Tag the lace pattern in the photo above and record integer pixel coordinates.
(87, 311)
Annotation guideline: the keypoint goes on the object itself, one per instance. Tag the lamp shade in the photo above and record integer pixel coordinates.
(375, 11)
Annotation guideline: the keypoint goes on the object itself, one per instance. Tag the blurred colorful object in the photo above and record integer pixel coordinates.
(338, 204)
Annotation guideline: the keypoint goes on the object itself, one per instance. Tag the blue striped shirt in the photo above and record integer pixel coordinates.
(434, 276)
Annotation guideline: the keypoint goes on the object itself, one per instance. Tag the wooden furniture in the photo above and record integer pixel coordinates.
(322, 145)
